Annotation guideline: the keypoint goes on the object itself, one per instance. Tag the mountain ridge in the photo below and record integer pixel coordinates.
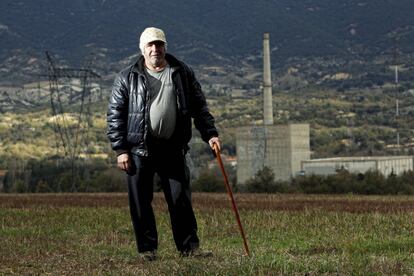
(202, 32)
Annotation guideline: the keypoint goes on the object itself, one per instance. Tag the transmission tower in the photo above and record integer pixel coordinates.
(70, 106)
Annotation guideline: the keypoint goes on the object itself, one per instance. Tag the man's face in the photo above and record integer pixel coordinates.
(154, 53)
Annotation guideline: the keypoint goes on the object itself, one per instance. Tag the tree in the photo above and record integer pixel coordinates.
(263, 182)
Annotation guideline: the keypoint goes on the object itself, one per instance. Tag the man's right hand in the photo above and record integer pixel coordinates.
(124, 162)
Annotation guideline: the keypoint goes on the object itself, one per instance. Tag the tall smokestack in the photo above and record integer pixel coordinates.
(267, 83)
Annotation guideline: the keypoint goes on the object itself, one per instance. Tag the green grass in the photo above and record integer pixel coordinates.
(41, 239)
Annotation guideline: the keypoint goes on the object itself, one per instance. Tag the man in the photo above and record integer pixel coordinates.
(149, 126)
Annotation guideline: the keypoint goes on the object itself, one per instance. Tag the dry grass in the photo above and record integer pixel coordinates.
(208, 201)
(65, 234)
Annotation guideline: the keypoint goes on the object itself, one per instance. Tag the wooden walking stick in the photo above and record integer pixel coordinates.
(230, 194)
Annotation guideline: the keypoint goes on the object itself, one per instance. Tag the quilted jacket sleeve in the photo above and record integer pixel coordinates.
(117, 116)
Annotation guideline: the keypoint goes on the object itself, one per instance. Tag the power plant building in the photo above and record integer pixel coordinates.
(386, 165)
(278, 147)
(285, 149)
(281, 148)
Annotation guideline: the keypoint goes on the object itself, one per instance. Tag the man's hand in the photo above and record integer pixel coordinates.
(124, 162)
(214, 140)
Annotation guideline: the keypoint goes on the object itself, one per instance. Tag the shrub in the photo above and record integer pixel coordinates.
(264, 182)
(208, 181)
(374, 183)
(107, 180)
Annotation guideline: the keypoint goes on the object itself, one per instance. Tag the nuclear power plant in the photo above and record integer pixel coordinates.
(285, 149)
(281, 148)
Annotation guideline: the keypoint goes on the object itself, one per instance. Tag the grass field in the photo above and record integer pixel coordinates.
(288, 234)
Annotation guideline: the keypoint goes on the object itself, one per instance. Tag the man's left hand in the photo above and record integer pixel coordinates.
(214, 140)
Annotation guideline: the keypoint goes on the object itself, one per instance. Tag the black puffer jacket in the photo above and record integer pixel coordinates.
(128, 111)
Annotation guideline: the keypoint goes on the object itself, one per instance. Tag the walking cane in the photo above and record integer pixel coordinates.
(230, 194)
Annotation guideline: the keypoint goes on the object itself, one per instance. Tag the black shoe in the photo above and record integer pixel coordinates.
(148, 256)
(196, 253)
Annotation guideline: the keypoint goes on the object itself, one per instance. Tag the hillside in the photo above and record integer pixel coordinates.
(212, 32)
(333, 67)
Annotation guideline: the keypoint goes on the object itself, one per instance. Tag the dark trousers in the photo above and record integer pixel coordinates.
(174, 174)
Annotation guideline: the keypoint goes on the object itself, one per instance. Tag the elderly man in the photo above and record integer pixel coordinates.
(149, 126)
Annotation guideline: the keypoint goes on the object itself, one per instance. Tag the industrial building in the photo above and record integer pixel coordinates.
(278, 147)
(384, 164)
(285, 149)
(281, 148)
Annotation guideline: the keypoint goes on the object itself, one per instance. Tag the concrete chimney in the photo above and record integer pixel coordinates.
(267, 83)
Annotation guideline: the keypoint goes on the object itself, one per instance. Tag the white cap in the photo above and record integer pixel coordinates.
(149, 35)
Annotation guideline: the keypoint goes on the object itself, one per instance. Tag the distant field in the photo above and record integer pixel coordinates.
(288, 234)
